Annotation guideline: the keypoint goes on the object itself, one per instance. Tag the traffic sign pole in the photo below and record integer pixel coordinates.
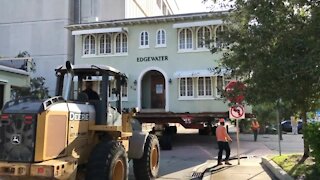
(237, 112)
(238, 142)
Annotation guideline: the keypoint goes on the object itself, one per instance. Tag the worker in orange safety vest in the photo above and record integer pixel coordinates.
(223, 139)
(255, 128)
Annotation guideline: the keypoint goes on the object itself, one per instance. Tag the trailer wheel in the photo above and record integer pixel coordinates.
(204, 131)
(173, 129)
(147, 167)
(108, 160)
(166, 142)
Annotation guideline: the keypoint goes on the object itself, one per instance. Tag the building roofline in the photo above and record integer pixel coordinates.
(148, 20)
(14, 70)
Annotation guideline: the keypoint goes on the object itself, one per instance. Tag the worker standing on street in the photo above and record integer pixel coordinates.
(223, 142)
(294, 124)
(255, 126)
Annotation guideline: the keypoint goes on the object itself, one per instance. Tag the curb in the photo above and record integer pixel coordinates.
(275, 169)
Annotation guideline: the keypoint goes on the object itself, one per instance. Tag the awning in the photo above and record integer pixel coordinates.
(196, 24)
(96, 31)
(201, 73)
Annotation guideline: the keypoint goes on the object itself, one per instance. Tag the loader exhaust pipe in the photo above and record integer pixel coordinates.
(70, 75)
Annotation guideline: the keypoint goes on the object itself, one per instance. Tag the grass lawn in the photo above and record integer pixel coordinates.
(297, 167)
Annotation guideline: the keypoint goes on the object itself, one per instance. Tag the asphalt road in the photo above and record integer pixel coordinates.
(192, 153)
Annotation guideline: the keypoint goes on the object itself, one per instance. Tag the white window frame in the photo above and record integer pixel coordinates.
(219, 93)
(123, 43)
(206, 88)
(186, 85)
(161, 39)
(185, 42)
(221, 43)
(201, 41)
(144, 39)
(124, 91)
(88, 46)
(105, 43)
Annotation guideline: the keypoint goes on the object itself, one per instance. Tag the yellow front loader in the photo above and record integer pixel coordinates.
(71, 136)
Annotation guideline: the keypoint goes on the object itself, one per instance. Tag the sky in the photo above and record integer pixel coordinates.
(190, 6)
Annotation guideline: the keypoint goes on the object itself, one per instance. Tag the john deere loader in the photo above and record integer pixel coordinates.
(70, 136)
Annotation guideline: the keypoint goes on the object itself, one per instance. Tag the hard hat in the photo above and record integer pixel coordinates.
(221, 120)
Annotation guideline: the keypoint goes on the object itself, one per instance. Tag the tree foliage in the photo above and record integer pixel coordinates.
(37, 89)
(274, 47)
(37, 86)
(313, 134)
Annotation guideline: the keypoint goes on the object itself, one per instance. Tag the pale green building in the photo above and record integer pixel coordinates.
(12, 77)
(166, 59)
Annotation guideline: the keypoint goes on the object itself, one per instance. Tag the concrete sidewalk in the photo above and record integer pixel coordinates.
(250, 167)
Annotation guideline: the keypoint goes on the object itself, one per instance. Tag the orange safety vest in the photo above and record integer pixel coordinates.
(222, 135)
(255, 125)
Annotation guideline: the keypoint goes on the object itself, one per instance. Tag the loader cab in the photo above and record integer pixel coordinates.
(73, 79)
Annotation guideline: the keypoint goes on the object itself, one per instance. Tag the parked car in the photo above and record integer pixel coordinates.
(286, 126)
(271, 129)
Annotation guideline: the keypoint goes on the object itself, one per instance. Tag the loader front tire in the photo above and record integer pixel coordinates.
(108, 160)
(147, 167)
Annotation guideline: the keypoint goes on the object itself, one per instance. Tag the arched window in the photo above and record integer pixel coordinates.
(161, 38)
(121, 43)
(89, 45)
(219, 41)
(105, 44)
(203, 36)
(185, 39)
(144, 39)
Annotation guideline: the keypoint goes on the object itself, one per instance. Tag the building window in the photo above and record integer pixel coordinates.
(144, 39)
(121, 43)
(105, 44)
(159, 3)
(219, 86)
(185, 39)
(111, 93)
(164, 9)
(161, 38)
(219, 41)
(124, 90)
(186, 87)
(204, 86)
(203, 36)
(89, 45)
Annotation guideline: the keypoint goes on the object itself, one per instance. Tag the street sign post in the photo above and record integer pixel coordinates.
(237, 112)
(234, 91)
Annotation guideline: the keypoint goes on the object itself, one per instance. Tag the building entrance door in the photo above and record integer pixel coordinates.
(157, 92)
(153, 91)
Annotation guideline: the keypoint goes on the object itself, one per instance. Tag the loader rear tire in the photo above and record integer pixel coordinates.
(147, 167)
(108, 160)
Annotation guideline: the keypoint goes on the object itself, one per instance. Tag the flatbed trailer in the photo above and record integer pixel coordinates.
(205, 122)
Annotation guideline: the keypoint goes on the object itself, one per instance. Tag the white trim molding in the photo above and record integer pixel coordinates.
(97, 31)
(14, 70)
(198, 23)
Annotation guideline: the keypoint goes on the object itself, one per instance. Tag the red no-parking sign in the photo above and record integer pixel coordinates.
(236, 112)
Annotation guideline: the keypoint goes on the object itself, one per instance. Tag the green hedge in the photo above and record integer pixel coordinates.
(312, 135)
